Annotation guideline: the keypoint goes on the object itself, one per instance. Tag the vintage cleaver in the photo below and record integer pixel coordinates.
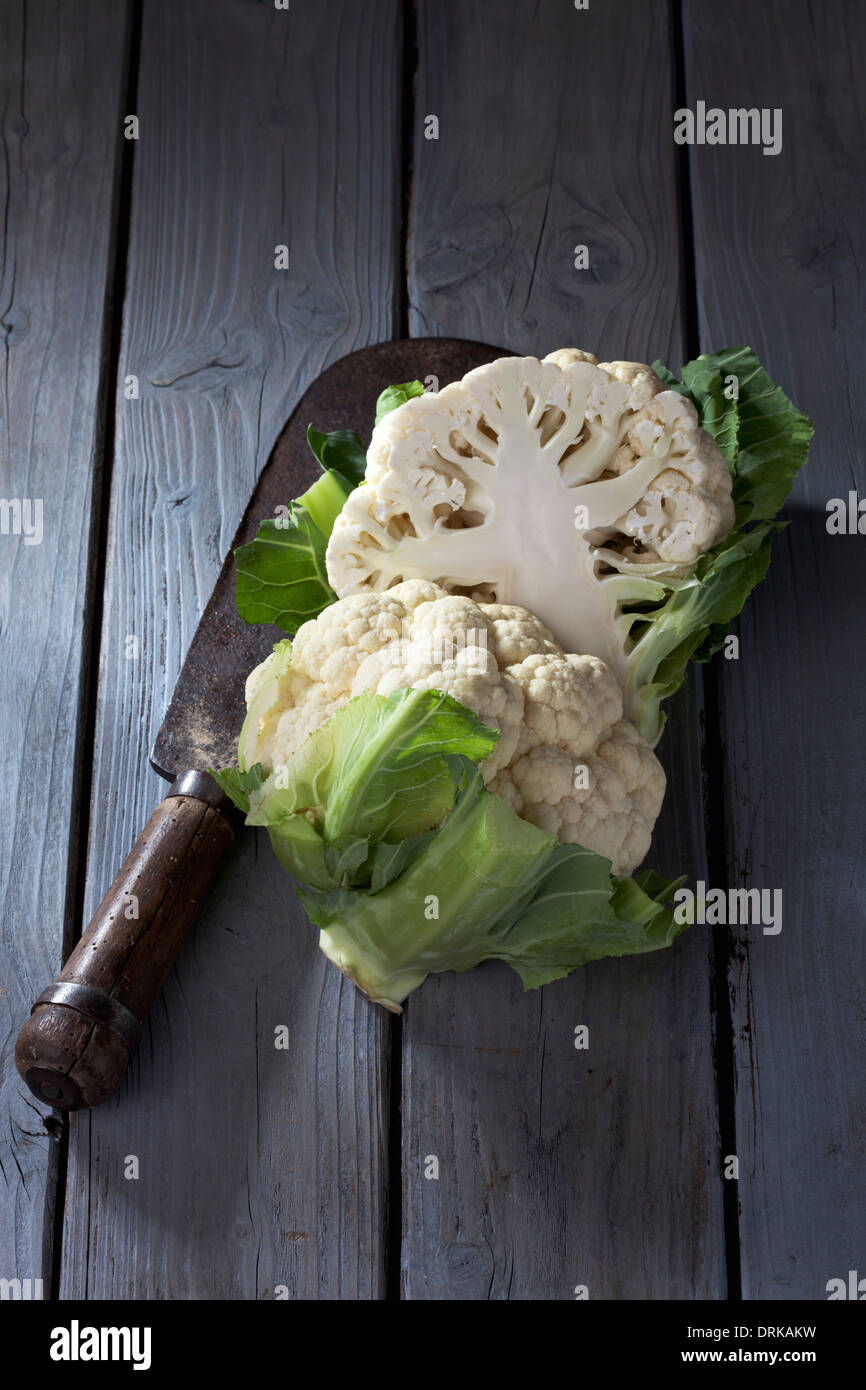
(82, 1030)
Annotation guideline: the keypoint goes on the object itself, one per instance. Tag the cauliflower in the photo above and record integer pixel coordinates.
(573, 488)
(447, 781)
(565, 759)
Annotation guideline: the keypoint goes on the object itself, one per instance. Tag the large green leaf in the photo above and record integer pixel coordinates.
(341, 451)
(281, 575)
(761, 432)
(766, 441)
(579, 913)
(693, 621)
(376, 769)
(409, 865)
(489, 885)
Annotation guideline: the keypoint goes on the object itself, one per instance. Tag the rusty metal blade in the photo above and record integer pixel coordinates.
(204, 718)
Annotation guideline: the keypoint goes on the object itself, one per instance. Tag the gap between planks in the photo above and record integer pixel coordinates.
(97, 551)
(712, 757)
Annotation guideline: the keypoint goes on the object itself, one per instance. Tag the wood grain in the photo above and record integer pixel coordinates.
(560, 1167)
(259, 1167)
(61, 89)
(780, 244)
(552, 135)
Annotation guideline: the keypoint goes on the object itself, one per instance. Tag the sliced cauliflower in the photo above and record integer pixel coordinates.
(561, 485)
(565, 759)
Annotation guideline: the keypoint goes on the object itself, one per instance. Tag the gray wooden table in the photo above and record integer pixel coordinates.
(149, 354)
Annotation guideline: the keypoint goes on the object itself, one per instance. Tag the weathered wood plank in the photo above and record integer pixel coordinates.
(560, 1167)
(61, 90)
(258, 1167)
(780, 246)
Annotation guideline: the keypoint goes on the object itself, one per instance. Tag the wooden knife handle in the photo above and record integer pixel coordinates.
(82, 1030)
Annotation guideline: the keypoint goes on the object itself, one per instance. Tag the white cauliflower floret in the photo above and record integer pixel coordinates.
(565, 759)
(641, 380)
(535, 483)
(687, 508)
(565, 357)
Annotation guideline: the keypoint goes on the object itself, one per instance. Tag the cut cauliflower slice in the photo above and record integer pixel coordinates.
(561, 485)
(565, 758)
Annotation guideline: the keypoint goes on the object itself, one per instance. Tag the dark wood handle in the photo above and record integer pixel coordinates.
(74, 1048)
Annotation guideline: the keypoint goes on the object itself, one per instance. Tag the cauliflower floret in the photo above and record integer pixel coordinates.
(591, 803)
(641, 379)
(687, 509)
(588, 804)
(565, 758)
(568, 701)
(566, 357)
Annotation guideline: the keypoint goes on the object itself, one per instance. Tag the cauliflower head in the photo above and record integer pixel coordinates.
(565, 760)
(567, 486)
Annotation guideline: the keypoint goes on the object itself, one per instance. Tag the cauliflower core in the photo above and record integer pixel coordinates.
(546, 484)
(565, 760)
